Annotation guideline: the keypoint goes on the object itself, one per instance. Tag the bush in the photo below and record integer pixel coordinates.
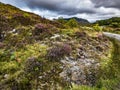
(80, 34)
(19, 37)
(72, 23)
(4, 26)
(97, 28)
(42, 31)
(19, 18)
(59, 51)
(32, 66)
(40, 28)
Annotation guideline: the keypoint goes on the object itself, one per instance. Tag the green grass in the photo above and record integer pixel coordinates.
(83, 87)
(33, 50)
(110, 77)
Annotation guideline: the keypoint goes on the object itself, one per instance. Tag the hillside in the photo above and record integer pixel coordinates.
(14, 17)
(109, 25)
(80, 20)
(40, 54)
(112, 22)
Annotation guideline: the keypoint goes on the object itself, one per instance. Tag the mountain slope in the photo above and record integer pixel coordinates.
(14, 16)
(80, 20)
(113, 22)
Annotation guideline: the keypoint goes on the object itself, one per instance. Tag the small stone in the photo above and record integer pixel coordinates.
(71, 58)
(55, 36)
(82, 57)
(6, 76)
(67, 58)
(40, 77)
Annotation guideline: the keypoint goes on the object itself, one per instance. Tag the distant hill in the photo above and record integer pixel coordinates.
(73, 22)
(112, 22)
(80, 20)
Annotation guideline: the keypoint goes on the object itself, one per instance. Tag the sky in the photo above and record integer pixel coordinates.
(91, 10)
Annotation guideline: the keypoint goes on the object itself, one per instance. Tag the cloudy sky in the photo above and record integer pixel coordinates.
(88, 9)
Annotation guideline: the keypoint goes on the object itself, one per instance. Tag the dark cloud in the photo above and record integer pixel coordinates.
(88, 9)
(107, 3)
(60, 7)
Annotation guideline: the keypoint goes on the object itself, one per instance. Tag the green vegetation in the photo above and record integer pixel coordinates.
(82, 87)
(110, 75)
(97, 28)
(112, 22)
(35, 53)
(72, 23)
(59, 51)
(110, 25)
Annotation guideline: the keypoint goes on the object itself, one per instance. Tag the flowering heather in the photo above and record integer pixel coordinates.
(59, 51)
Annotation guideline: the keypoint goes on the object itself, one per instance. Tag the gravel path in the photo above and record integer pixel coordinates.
(112, 35)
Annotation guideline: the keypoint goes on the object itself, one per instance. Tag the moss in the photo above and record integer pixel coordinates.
(8, 67)
(69, 32)
(32, 50)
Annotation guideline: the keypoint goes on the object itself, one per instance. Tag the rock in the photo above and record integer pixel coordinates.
(82, 57)
(40, 77)
(6, 76)
(66, 58)
(55, 36)
(79, 71)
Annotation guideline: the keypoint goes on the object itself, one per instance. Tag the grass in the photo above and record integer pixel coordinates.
(110, 78)
(33, 50)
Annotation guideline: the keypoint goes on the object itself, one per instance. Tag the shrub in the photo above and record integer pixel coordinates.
(59, 51)
(19, 38)
(80, 34)
(32, 66)
(40, 28)
(42, 31)
(21, 19)
(97, 28)
(4, 26)
(72, 23)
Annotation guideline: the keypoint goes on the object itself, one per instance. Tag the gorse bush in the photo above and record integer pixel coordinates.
(59, 51)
